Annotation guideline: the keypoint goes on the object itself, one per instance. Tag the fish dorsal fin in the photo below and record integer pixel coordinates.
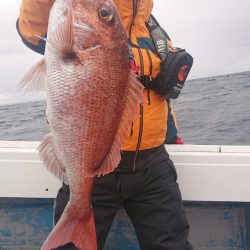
(131, 109)
(61, 38)
(50, 160)
(35, 78)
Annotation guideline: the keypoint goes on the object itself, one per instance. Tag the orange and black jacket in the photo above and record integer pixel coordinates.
(150, 128)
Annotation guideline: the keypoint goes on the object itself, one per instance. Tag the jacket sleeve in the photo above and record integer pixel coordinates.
(33, 22)
(172, 129)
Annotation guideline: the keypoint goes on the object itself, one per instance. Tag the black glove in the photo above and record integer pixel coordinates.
(174, 72)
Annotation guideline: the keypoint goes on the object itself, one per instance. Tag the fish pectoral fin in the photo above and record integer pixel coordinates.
(50, 160)
(35, 78)
(61, 38)
(131, 109)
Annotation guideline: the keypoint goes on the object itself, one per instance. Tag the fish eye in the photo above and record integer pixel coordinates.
(106, 13)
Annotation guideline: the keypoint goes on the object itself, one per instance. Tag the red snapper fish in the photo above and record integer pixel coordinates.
(92, 99)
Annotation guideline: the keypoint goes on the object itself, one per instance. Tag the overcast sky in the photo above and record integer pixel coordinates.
(215, 32)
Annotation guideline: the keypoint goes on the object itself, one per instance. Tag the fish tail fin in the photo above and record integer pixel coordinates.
(79, 230)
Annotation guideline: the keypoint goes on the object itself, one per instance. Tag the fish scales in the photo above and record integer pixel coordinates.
(92, 99)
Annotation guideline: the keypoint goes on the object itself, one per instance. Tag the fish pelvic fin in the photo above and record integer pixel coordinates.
(131, 109)
(77, 228)
(50, 160)
(34, 78)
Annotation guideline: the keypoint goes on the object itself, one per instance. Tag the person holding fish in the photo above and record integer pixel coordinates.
(107, 128)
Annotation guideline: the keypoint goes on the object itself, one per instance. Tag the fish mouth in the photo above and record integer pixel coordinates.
(92, 47)
(84, 27)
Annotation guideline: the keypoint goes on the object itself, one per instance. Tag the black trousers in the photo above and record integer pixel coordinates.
(150, 196)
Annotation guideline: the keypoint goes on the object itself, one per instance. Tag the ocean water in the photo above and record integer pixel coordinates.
(213, 110)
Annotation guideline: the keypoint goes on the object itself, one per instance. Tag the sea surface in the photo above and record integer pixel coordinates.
(213, 110)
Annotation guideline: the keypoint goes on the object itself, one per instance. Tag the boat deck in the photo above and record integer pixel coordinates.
(214, 181)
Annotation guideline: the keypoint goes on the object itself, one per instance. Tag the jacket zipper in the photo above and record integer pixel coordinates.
(141, 112)
(135, 10)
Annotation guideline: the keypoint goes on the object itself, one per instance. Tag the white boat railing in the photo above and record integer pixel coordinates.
(205, 172)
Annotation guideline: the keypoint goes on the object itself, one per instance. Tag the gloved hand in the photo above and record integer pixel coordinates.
(133, 67)
(174, 140)
(179, 140)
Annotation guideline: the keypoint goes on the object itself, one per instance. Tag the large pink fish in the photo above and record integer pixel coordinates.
(92, 98)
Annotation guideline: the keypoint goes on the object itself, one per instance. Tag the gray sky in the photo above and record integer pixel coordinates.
(215, 32)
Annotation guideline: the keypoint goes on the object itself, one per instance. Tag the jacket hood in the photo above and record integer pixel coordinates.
(141, 11)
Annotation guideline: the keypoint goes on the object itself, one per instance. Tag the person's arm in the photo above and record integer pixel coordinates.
(172, 129)
(175, 62)
(32, 23)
